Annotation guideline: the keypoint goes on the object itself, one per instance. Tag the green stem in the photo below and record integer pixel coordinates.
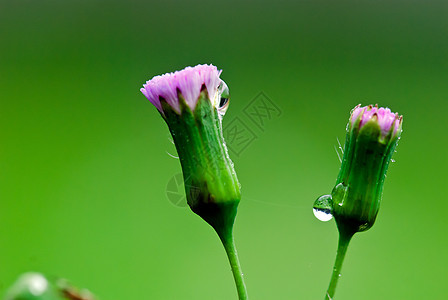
(229, 246)
(344, 240)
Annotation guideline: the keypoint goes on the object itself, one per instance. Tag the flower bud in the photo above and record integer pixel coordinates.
(193, 102)
(372, 135)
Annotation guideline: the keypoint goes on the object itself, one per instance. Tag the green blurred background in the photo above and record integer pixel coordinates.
(84, 168)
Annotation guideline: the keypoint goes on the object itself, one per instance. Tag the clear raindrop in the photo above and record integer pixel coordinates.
(224, 96)
(323, 208)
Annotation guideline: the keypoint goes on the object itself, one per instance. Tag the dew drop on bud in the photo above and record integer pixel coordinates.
(323, 208)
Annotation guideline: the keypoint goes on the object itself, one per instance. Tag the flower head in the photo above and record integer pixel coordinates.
(372, 135)
(187, 82)
(192, 102)
(386, 119)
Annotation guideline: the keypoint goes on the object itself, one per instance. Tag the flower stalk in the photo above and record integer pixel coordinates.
(229, 245)
(344, 240)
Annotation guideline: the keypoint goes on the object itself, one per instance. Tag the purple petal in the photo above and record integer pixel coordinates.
(188, 81)
(385, 117)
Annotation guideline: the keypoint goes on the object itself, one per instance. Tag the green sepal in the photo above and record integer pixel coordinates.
(358, 191)
(211, 185)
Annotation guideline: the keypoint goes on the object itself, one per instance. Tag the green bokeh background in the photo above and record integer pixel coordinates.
(84, 168)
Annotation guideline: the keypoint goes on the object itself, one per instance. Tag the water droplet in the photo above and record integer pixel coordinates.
(223, 98)
(323, 208)
(364, 227)
(322, 215)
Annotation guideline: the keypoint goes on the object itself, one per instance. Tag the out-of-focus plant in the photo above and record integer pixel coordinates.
(35, 286)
